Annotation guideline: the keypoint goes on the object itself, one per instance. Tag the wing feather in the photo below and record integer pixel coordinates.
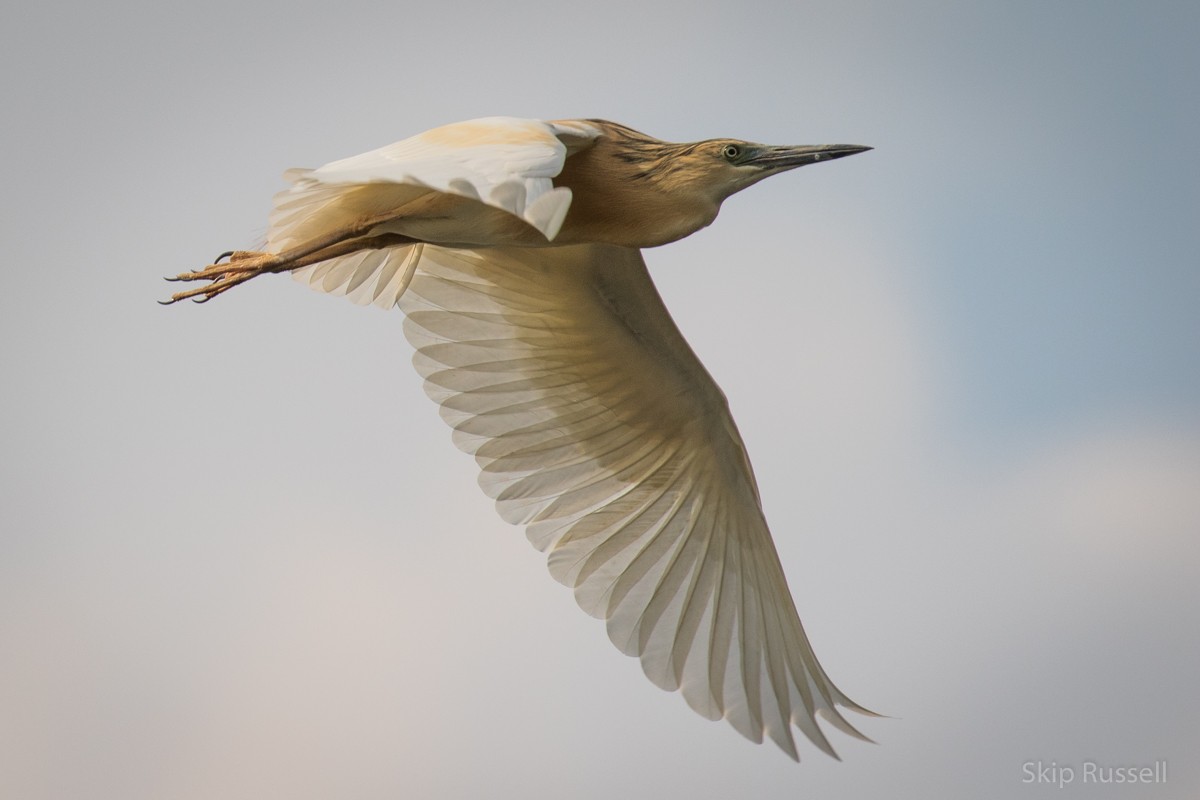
(365, 277)
(595, 426)
(500, 163)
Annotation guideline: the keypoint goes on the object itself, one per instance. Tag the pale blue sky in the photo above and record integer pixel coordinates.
(240, 558)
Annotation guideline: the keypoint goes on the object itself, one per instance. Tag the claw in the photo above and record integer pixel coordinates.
(220, 276)
(246, 264)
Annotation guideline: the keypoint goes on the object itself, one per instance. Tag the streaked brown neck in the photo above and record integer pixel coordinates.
(632, 190)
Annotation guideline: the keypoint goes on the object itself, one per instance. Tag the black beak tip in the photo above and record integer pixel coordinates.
(778, 159)
(843, 150)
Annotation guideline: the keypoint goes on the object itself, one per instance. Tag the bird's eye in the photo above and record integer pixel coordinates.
(731, 151)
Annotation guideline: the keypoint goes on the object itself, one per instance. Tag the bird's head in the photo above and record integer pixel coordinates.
(638, 191)
(723, 167)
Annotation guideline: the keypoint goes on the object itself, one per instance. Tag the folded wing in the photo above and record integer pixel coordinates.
(495, 164)
(502, 162)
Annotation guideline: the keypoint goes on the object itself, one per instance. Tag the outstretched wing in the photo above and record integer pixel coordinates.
(597, 428)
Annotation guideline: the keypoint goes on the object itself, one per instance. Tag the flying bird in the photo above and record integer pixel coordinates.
(513, 247)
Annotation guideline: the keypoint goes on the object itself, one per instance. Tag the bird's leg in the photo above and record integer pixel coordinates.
(246, 264)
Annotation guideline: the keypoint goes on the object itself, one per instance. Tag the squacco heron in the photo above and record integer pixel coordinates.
(514, 249)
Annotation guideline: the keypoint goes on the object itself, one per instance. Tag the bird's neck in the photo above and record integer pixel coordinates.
(616, 202)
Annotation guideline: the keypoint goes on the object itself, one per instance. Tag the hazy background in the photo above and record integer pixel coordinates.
(240, 558)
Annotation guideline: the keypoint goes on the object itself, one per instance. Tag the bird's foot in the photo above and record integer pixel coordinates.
(245, 264)
(223, 275)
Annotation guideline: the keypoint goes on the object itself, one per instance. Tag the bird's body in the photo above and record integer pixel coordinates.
(513, 247)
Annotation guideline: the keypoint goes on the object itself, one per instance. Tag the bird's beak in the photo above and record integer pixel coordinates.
(778, 159)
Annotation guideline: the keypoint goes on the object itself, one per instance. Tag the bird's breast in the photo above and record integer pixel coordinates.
(632, 219)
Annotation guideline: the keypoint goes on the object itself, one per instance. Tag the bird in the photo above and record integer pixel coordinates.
(514, 249)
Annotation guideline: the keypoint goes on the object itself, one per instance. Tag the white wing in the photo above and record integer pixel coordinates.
(595, 426)
(499, 162)
(502, 162)
(365, 277)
